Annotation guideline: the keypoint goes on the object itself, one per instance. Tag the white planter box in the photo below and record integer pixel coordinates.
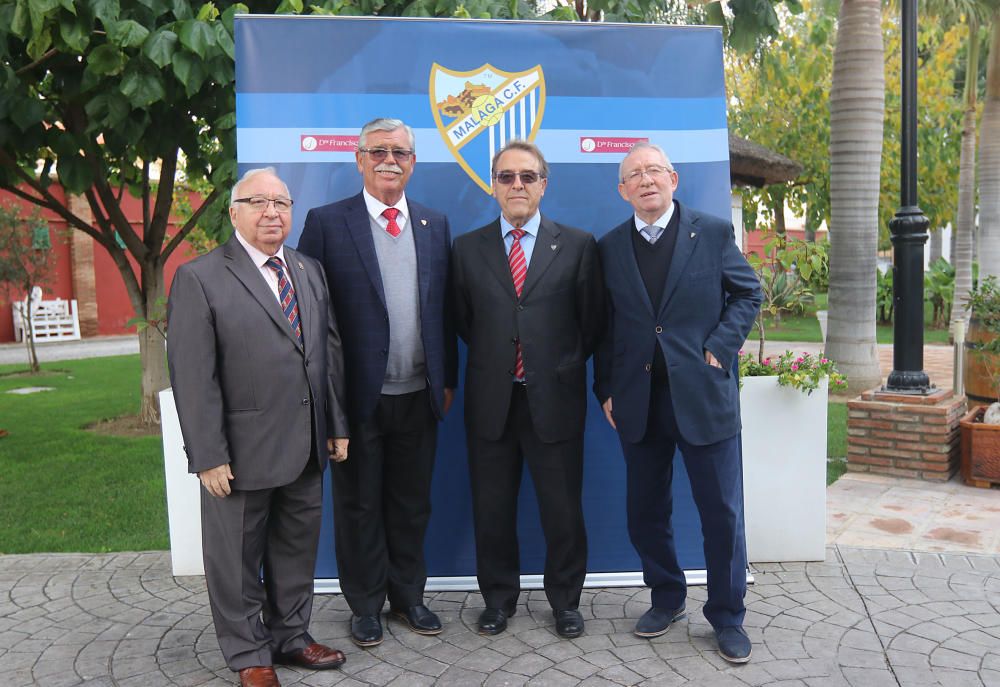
(183, 494)
(784, 471)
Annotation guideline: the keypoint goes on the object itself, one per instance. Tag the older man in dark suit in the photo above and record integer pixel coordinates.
(529, 303)
(257, 373)
(682, 299)
(387, 259)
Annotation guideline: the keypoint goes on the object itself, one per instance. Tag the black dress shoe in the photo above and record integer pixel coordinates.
(656, 621)
(366, 630)
(493, 621)
(421, 619)
(569, 623)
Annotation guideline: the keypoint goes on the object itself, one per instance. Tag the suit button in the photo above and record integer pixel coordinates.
(520, 307)
(513, 339)
(305, 401)
(659, 329)
(384, 351)
(648, 367)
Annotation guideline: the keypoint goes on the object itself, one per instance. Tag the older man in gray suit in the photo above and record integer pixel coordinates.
(257, 372)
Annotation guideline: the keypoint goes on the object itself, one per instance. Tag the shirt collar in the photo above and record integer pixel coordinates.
(258, 256)
(376, 207)
(661, 222)
(530, 227)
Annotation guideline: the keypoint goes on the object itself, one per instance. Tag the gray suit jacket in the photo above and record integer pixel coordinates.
(247, 393)
(558, 320)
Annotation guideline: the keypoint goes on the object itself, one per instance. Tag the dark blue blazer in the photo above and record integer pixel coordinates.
(339, 236)
(709, 302)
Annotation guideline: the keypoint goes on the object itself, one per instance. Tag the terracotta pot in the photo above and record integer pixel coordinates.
(980, 464)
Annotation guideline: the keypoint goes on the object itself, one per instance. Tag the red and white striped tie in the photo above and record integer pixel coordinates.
(518, 270)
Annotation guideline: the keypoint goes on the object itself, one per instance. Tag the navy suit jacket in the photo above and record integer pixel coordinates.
(709, 302)
(339, 236)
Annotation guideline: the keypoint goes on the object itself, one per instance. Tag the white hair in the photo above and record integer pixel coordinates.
(386, 124)
(250, 174)
(642, 145)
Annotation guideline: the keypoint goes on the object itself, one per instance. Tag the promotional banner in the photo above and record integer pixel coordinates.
(584, 93)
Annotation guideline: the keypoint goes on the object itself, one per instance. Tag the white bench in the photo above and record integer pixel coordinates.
(54, 320)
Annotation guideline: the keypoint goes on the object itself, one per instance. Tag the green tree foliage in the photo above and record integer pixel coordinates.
(111, 98)
(939, 123)
(779, 98)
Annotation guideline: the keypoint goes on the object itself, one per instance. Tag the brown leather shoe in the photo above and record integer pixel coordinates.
(315, 657)
(259, 676)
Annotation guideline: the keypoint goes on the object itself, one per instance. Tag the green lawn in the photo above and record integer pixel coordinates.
(63, 488)
(805, 327)
(836, 440)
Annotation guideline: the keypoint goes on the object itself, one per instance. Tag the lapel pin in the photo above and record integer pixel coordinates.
(301, 266)
(553, 246)
(423, 222)
(692, 234)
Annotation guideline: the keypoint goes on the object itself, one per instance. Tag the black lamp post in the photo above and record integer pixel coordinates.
(909, 233)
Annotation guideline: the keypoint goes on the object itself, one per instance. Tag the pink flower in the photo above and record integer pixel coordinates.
(799, 360)
(794, 367)
(824, 361)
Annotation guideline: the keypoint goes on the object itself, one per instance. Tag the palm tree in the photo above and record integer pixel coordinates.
(856, 112)
(989, 160)
(961, 258)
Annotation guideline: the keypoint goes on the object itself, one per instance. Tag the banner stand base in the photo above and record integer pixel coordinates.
(469, 583)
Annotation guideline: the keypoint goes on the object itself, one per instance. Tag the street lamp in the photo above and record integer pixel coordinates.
(908, 229)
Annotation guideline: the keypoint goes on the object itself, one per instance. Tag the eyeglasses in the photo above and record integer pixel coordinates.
(260, 203)
(654, 172)
(507, 178)
(380, 154)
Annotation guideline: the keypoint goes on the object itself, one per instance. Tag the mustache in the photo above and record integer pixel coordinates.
(388, 167)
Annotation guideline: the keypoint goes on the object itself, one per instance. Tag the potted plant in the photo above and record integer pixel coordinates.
(784, 424)
(980, 428)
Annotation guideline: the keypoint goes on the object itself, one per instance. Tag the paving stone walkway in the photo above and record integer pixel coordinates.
(864, 617)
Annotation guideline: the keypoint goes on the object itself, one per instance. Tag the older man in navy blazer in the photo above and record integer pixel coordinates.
(682, 299)
(387, 260)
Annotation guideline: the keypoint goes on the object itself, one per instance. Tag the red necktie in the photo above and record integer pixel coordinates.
(286, 295)
(391, 214)
(518, 270)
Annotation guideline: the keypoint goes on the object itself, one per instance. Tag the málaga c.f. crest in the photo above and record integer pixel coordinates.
(479, 111)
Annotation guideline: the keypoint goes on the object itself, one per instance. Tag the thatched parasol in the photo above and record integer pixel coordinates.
(754, 165)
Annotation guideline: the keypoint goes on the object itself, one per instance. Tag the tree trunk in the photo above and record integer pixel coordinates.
(935, 245)
(153, 353)
(856, 113)
(809, 229)
(989, 161)
(29, 339)
(963, 232)
(152, 345)
(778, 208)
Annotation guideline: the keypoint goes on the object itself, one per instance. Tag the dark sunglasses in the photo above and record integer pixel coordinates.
(507, 178)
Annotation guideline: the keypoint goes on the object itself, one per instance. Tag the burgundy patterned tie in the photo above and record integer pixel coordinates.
(391, 214)
(518, 270)
(286, 295)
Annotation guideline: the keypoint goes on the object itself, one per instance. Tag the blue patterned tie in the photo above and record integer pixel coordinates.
(286, 295)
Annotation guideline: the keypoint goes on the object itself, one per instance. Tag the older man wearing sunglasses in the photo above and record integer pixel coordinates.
(529, 301)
